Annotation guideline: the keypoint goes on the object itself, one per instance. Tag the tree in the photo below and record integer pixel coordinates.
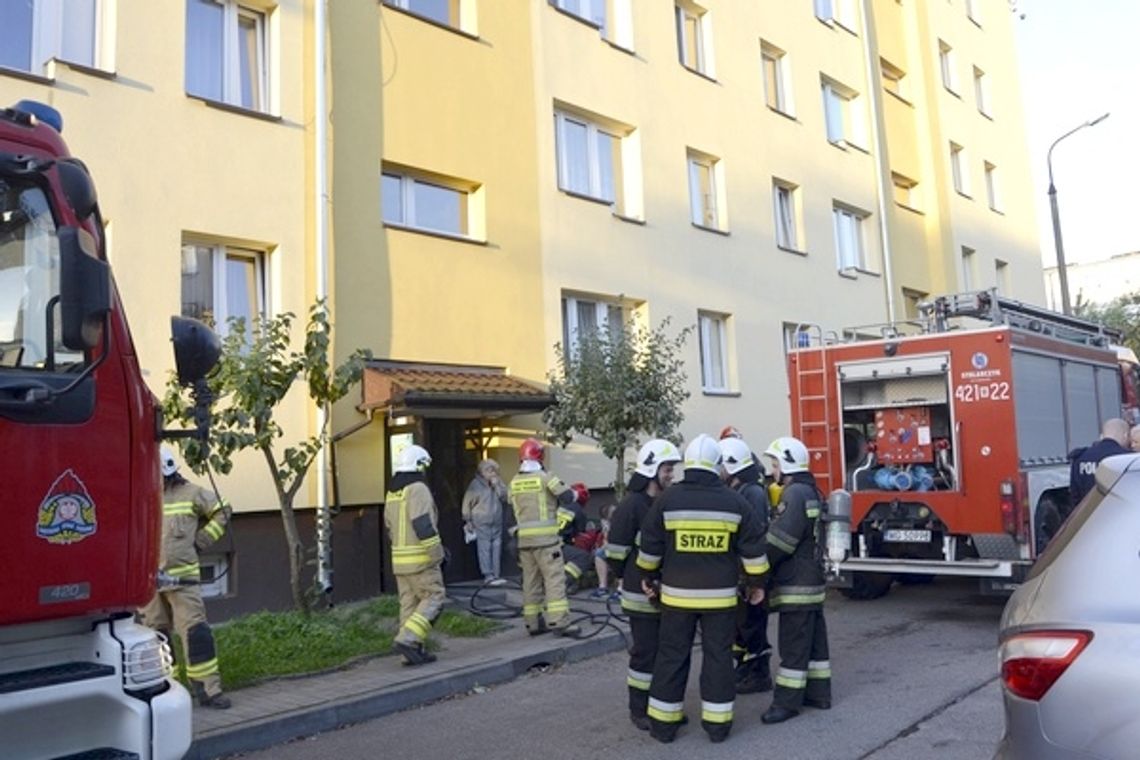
(614, 386)
(252, 378)
(1121, 313)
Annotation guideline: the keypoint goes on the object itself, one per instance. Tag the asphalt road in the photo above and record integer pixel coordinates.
(915, 676)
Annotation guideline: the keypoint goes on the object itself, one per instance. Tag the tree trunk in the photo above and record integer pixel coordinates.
(296, 554)
(619, 480)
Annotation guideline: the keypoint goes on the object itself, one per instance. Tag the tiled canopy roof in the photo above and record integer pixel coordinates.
(420, 388)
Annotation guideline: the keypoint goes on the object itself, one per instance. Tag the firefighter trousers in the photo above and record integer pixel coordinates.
(577, 562)
(671, 671)
(543, 582)
(181, 609)
(805, 667)
(642, 654)
(421, 600)
(751, 631)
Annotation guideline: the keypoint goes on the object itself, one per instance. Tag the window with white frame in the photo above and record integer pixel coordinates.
(214, 575)
(713, 338)
(982, 91)
(694, 37)
(993, 188)
(894, 79)
(227, 53)
(33, 32)
(785, 212)
(969, 269)
(444, 12)
(585, 314)
(591, 11)
(905, 190)
(948, 66)
(959, 169)
(589, 156)
(777, 78)
(842, 12)
(843, 114)
(850, 245)
(1002, 277)
(430, 203)
(222, 282)
(705, 190)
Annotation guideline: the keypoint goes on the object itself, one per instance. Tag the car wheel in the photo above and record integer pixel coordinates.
(869, 586)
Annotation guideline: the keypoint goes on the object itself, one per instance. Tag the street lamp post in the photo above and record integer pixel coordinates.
(1062, 275)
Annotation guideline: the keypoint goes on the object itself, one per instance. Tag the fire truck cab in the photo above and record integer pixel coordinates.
(952, 433)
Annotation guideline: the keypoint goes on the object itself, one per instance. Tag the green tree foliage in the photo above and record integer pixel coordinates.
(258, 369)
(617, 385)
(1121, 313)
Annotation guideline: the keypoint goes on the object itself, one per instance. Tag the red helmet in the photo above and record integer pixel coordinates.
(730, 432)
(581, 493)
(532, 450)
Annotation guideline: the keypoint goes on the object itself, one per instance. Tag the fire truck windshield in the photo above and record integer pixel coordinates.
(29, 280)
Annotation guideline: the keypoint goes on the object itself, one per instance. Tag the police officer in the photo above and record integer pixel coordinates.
(652, 475)
(1114, 439)
(192, 519)
(804, 677)
(571, 522)
(694, 541)
(412, 521)
(752, 650)
(535, 498)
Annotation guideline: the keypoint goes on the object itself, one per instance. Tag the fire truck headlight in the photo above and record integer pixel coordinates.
(146, 663)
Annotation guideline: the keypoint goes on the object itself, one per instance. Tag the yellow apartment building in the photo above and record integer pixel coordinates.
(472, 181)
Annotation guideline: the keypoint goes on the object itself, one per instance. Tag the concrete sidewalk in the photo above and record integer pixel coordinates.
(290, 708)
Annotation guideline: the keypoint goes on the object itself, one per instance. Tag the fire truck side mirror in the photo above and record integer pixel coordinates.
(196, 349)
(84, 290)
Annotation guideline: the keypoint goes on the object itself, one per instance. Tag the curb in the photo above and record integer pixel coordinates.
(260, 734)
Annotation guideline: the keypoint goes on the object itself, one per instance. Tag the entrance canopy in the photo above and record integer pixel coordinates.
(449, 390)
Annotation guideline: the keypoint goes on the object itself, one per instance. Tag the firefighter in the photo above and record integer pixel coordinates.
(804, 677)
(742, 473)
(572, 523)
(193, 518)
(536, 496)
(652, 475)
(412, 521)
(694, 541)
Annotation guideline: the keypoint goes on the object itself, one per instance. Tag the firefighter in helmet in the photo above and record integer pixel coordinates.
(742, 473)
(571, 523)
(804, 677)
(536, 496)
(193, 518)
(412, 521)
(694, 541)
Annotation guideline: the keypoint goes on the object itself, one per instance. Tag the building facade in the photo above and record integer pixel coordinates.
(498, 177)
(1095, 282)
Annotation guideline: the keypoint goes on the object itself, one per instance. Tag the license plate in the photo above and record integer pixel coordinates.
(896, 536)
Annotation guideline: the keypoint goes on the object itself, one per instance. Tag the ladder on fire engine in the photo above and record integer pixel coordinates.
(812, 403)
(988, 306)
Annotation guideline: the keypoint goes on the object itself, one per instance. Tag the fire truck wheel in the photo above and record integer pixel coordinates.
(869, 586)
(1047, 521)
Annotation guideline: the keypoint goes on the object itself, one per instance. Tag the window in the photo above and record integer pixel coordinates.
(589, 157)
(842, 12)
(777, 88)
(843, 114)
(585, 314)
(982, 91)
(714, 354)
(959, 169)
(786, 214)
(946, 62)
(969, 269)
(849, 245)
(972, 11)
(993, 189)
(612, 18)
(426, 202)
(894, 79)
(705, 191)
(214, 570)
(694, 37)
(227, 53)
(591, 11)
(911, 299)
(904, 190)
(222, 282)
(445, 12)
(32, 32)
(1002, 277)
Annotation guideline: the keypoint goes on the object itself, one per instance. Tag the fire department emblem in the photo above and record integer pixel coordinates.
(980, 360)
(67, 513)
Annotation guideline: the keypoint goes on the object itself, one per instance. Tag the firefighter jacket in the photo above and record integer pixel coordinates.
(571, 521)
(793, 546)
(621, 551)
(192, 520)
(757, 497)
(698, 537)
(536, 498)
(412, 522)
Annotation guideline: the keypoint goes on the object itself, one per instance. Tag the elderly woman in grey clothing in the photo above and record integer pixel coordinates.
(483, 515)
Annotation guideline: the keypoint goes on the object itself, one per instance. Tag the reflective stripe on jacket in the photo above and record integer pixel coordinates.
(793, 547)
(192, 520)
(410, 516)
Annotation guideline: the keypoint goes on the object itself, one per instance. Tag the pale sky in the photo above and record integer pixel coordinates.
(1079, 59)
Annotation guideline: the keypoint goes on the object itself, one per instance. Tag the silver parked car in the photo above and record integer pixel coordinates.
(1070, 635)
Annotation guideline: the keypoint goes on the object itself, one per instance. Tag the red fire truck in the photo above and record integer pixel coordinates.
(79, 437)
(952, 433)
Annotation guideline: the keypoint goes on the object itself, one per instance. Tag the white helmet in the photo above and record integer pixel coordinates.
(654, 454)
(790, 453)
(413, 459)
(167, 461)
(736, 454)
(702, 453)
